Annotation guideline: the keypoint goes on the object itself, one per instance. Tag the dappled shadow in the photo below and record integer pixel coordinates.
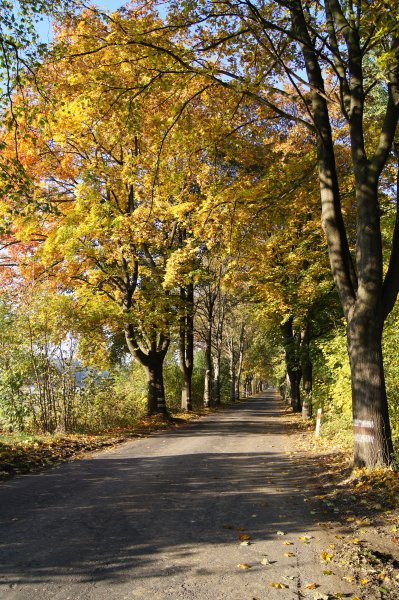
(105, 519)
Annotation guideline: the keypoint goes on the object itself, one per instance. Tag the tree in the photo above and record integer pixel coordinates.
(328, 58)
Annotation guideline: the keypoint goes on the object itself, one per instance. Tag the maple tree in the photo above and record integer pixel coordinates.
(114, 185)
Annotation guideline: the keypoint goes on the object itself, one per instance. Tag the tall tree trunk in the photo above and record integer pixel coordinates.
(187, 345)
(292, 363)
(372, 432)
(366, 297)
(208, 368)
(216, 377)
(153, 362)
(156, 392)
(307, 371)
(240, 360)
(187, 392)
(218, 347)
(232, 369)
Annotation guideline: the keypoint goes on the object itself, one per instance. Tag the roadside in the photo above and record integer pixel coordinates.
(362, 511)
(28, 453)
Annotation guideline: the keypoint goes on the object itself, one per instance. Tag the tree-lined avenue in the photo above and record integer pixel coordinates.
(162, 517)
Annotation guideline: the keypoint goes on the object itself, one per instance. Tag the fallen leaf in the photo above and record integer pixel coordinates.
(278, 585)
(327, 572)
(265, 561)
(287, 543)
(349, 578)
(383, 590)
(364, 581)
(289, 554)
(280, 533)
(244, 536)
(311, 586)
(326, 556)
(243, 566)
(246, 543)
(320, 596)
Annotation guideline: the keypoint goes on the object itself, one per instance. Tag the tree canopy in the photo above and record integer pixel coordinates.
(190, 179)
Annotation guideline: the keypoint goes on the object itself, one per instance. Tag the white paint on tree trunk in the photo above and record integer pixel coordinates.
(361, 423)
(363, 437)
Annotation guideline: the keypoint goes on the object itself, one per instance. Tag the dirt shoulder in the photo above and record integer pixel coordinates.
(360, 511)
(27, 453)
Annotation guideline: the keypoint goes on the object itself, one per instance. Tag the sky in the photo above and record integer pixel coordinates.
(44, 27)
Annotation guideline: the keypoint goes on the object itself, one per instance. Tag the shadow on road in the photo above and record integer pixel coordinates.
(104, 519)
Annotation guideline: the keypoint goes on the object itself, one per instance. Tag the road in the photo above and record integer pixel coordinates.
(160, 517)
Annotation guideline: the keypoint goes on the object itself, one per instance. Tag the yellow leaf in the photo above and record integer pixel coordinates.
(349, 578)
(288, 554)
(311, 586)
(244, 536)
(287, 543)
(278, 585)
(364, 581)
(243, 566)
(325, 556)
(305, 538)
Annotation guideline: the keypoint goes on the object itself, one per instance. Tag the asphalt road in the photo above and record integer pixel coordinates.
(160, 517)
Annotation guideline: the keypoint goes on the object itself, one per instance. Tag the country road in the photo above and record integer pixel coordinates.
(160, 517)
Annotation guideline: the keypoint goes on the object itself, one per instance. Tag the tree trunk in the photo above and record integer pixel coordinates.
(307, 372)
(366, 297)
(153, 362)
(156, 392)
(216, 377)
(232, 371)
(208, 370)
(372, 432)
(293, 365)
(187, 345)
(240, 360)
(295, 390)
(186, 393)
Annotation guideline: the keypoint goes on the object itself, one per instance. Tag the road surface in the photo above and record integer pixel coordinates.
(160, 518)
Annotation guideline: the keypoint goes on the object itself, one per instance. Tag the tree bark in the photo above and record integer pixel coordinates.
(216, 377)
(186, 394)
(208, 368)
(187, 345)
(217, 357)
(307, 371)
(153, 362)
(156, 402)
(372, 432)
(292, 362)
(240, 360)
(365, 297)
